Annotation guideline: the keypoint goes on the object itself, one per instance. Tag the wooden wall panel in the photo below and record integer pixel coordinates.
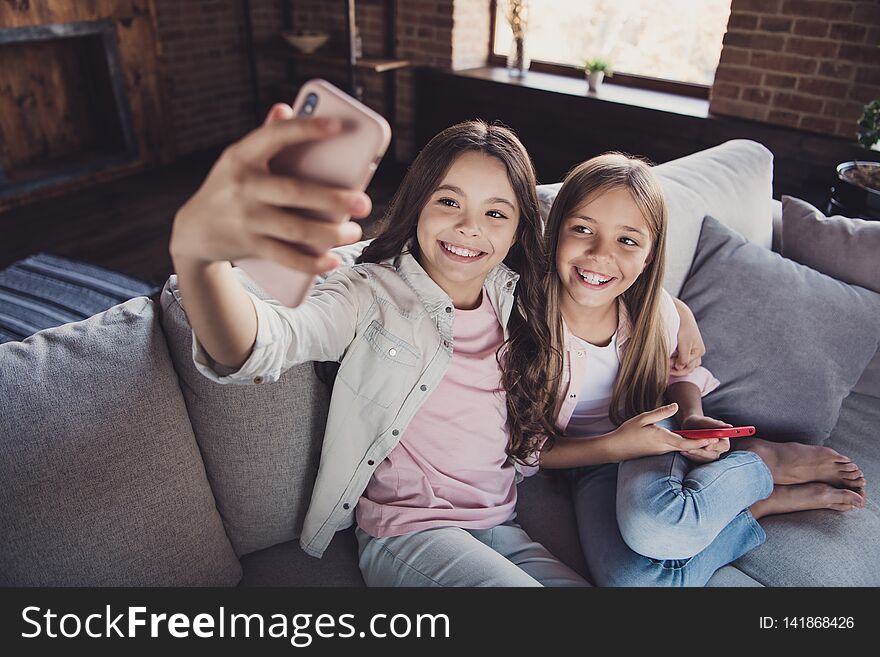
(53, 103)
(30, 100)
(23, 13)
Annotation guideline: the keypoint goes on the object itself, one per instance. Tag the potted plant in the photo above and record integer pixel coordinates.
(856, 192)
(596, 69)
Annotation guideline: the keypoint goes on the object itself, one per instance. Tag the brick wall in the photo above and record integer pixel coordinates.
(205, 71)
(424, 37)
(440, 33)
(808, 64)
(207, 74)
(267, 19)
(330, 17)
(470, 34)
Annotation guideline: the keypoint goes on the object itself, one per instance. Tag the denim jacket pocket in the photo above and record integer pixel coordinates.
(379, 366)
(389, 347)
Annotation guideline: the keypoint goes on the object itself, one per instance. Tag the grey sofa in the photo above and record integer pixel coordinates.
(121, 465)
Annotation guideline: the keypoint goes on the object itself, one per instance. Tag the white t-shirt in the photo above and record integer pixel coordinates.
(590, 417)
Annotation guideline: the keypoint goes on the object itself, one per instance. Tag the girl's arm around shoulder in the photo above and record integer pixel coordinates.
(683, 334)
(676, 318)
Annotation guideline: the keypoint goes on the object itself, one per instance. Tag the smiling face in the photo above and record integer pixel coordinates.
(604, 245)
(467, 226)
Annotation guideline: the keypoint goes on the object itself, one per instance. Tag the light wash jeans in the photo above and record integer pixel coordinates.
(665, 521)
(452, 556)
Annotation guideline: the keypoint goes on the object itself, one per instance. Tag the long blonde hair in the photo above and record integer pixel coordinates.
(644, 369)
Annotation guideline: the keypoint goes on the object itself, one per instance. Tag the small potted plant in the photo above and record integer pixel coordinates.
(596, 69)
(856, 191)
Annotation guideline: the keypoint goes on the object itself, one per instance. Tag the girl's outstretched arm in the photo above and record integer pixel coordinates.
(241, 211)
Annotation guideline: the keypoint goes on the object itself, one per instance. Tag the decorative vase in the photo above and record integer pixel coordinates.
(594, 79)
(518, 59)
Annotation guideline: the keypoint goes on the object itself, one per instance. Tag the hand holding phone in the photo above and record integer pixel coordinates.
(722, 432)
(243, 210)
(345, 161)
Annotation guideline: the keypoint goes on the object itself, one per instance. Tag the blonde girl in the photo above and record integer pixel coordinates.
(653, 508)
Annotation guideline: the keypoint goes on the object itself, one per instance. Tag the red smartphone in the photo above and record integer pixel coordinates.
(723, 432)
(347, 159)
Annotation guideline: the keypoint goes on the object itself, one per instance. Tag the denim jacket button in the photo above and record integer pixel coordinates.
(258, 379)
(449, 309)
(392, 352)
(371, 462)
(345, 506)
(423, 387)
(395, 432)
(509, 284)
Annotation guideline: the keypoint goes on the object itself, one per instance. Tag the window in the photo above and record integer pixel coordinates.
(677, 40)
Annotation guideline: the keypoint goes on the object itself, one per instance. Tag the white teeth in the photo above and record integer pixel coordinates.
(457, 250)
(593, 279)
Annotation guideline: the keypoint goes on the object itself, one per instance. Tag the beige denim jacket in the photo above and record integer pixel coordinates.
(390, 327)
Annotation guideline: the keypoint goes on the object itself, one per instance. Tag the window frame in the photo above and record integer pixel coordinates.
(690, 89)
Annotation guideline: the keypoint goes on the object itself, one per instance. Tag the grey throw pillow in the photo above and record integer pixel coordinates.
(103, 484)
(847, 249)
(261, 444)
(786, 342)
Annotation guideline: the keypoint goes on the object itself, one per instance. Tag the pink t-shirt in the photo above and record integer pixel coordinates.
(450, 467)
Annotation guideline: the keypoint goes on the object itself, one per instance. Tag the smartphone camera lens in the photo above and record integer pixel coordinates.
(309, 106)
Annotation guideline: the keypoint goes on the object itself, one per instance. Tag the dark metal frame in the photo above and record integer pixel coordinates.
(623, 79)
(107, 32)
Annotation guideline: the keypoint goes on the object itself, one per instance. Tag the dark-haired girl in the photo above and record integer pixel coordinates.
(416, 444)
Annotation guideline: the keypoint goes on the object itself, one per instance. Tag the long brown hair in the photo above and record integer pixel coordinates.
(521, 376)
(644, 369)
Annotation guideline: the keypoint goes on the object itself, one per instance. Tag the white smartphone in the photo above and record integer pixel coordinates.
(347, 159)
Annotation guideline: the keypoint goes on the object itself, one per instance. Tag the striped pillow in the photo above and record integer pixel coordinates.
(43, 291)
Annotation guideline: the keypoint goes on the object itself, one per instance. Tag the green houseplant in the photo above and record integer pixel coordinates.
(869, 126)
(596, 69)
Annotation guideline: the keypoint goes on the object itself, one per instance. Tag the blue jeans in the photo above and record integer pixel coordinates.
(452, 556)
(665, 521)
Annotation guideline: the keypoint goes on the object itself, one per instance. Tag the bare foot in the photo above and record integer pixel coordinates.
(796, 463)
(803, 497)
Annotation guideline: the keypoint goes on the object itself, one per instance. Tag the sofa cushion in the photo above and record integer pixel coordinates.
(261, 444)
(838, 246)
(828, 548)
(286, 564)
(786, 342)
(847, 249)
(103, 484)
(731, 182)
(545, 511)
(732, 576)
